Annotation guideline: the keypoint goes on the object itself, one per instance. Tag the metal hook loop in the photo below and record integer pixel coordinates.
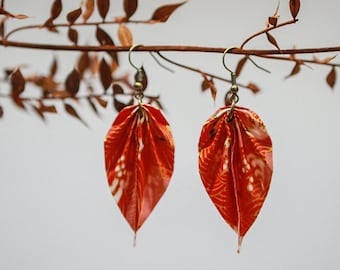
(130, 52)
(223, 58)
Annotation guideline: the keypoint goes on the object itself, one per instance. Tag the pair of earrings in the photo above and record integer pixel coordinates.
(235, 159)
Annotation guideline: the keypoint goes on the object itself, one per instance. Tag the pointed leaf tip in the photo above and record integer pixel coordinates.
(105, 74)
(56, 9)
(130, 7)
(163, 13)
(103, 8)
(331, 78)
(73, 15)
(72, 82)
(235, 165)
(294, 6)
(73, 35)
(17, 83)
(125, 35)
(88, 8)
(71, 111)
(272, 40)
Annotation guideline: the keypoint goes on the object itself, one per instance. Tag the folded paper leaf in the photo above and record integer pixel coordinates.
(235, 164)
(139, 158)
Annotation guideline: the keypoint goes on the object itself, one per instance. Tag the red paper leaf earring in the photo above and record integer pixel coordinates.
(139, 157)
(235, 161)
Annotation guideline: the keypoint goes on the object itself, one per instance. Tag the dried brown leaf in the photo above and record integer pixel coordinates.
(125, 35)
(118, 105)
(39, 112)
(240, 65)
(325, 60)
(53, 67)
(205, 84)
(104, 39)
(294, 6)
(213, 90)
(72, 82)
(295, 70)
(103, 8)
(272, 40)
(94, 64)
(56, 9)
(92, 105)
(102, 102)
(331, 77)
(50, 26)
(2, 27)
(253, 87)
(88, 7)
(117, 89)
(272, 20)
(73, 15)
(209, 84)
(73, 35)
(16, 16)
(130, 7)
(105, 74)
(48, 108)
(17, 83)
(46, 83)
(163, 13)
(71, 111)
(83, 63)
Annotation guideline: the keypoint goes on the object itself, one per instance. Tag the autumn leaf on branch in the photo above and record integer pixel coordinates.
(12, 15)
(331, 78)
(73, 15)
(56, 9)
(73, 35)
(88, 8)
(240, 66)
(71, 111)
(125, 35)
(130, 7)
(296, 69)
(208, 83)
(272, 40)
(72, 82)
(163, 13)
(103, 8)
(294, 6)
(17, 83)
(105, 39)
(272, 20)
(105, 74)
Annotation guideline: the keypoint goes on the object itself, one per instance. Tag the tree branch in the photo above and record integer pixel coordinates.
(159, 48)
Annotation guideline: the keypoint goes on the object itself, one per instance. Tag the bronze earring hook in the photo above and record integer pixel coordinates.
(231, 98)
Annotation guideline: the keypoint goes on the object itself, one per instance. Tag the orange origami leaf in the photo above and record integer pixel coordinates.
(139, 158)
(235, 164)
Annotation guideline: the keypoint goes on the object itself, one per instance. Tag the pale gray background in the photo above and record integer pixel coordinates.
(56, 211)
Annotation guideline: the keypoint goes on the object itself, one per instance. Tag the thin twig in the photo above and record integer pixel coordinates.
(80, 24)
(197, 70)
(268, 29)
(283, 58)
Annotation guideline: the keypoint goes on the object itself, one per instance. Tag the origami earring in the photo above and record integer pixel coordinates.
(235, 161)
(139, 156)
